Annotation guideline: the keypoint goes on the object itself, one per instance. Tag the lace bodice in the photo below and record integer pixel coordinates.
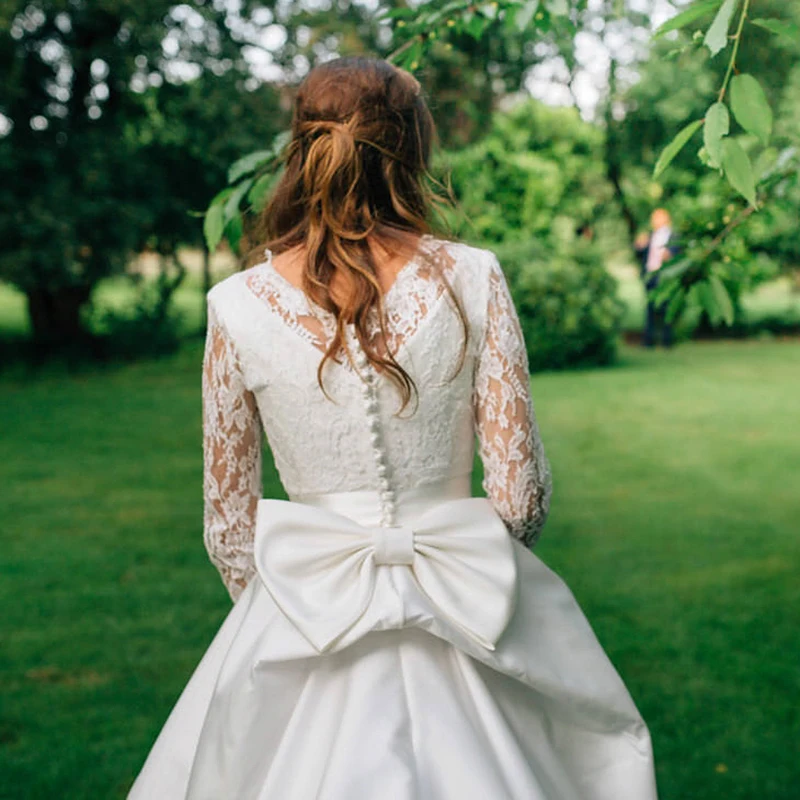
(264, 342)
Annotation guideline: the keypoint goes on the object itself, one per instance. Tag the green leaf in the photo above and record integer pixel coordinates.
(674, 270)
(718, 125)
(525, 14)
(409, 59)
(558, 8)
(785, 30)
(705, 158)
(751, 107)
(261, 188)
(247, 164)
(234, 230)
(213, 225)
(221, 196)
(280, 141)
(663, 292)
(675, 305)
(708, 301)
(232, 205)
(675, 146)
(398, 13)
(441, 13)
(476, 26)
(739, 170)
(717, 35)
(694, 12)
(722, 298)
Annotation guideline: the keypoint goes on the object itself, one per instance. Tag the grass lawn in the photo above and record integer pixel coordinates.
(675, 522)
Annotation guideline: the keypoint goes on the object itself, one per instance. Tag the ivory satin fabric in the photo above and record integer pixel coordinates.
(446, 662)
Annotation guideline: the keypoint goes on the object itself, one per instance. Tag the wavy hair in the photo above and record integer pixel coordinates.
(355, 169)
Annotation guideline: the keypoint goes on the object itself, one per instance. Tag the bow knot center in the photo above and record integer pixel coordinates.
(394, 544)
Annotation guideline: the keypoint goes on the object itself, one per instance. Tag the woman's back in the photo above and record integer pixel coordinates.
(266, 339)
(391, 636)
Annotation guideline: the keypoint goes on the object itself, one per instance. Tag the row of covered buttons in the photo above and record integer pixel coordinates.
(369, 390)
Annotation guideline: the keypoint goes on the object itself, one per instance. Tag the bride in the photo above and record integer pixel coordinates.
(391, 637)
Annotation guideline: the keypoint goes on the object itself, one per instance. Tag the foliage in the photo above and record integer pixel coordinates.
(707, 280)
(535, 189)
(536, 174)
(148, 326)
(708, 213)
(109, 148)
(420, 30)
(251, 178)
(567, 303)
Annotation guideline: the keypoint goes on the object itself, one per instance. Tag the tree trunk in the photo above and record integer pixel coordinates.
(55, 314)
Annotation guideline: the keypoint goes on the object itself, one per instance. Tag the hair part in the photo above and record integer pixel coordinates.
(355, 170)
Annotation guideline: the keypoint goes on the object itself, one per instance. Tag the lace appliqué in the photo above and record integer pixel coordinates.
(517, 476)
(407, 302)
(232, 436)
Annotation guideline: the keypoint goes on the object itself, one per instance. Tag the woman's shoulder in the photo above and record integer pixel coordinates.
(469, 262)
(475, 270)
(228, 292)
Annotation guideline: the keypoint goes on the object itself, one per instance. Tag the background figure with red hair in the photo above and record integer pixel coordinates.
(653, 250)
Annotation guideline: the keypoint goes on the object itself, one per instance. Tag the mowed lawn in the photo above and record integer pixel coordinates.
(675, 520)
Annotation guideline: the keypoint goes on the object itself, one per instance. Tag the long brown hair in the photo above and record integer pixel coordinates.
(355, 169)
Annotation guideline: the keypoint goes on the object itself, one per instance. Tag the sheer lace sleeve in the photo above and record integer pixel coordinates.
(232, 435)
(517, 477)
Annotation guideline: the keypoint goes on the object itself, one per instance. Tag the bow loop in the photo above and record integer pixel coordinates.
(327, 573)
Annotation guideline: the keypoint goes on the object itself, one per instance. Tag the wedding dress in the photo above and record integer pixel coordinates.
(392, 637)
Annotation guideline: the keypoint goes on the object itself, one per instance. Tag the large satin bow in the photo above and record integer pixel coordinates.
(321, 567)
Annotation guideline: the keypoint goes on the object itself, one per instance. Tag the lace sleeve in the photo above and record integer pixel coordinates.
(232, 435)
(517, 477)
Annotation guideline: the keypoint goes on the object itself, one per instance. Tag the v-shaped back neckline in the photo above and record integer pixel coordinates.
(406, 269)
(407, 303)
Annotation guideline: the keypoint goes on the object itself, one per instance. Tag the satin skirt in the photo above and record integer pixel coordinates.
(405, 704)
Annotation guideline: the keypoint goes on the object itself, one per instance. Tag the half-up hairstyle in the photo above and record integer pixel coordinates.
(356, 167)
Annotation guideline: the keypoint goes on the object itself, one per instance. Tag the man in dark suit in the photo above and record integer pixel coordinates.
(654, 250)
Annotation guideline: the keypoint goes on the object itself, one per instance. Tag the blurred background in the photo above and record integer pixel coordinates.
(676, 504)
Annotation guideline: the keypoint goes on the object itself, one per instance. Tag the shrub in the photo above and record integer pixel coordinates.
(148, 327)
(567, 302)
(533, 190)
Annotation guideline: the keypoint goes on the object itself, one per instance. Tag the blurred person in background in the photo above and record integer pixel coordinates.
(653, 250)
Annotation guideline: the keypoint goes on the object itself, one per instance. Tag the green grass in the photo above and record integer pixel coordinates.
(674, 521)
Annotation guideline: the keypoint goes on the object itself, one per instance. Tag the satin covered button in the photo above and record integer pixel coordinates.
(393, 544)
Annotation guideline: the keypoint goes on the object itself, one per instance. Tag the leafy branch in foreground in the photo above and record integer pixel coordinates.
(697, 282)
(694, 281)
(250, 180)
(744, 93)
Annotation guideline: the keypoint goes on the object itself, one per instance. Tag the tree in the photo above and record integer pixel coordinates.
(98, 158)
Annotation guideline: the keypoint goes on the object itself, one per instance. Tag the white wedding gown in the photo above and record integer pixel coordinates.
(392, 637)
